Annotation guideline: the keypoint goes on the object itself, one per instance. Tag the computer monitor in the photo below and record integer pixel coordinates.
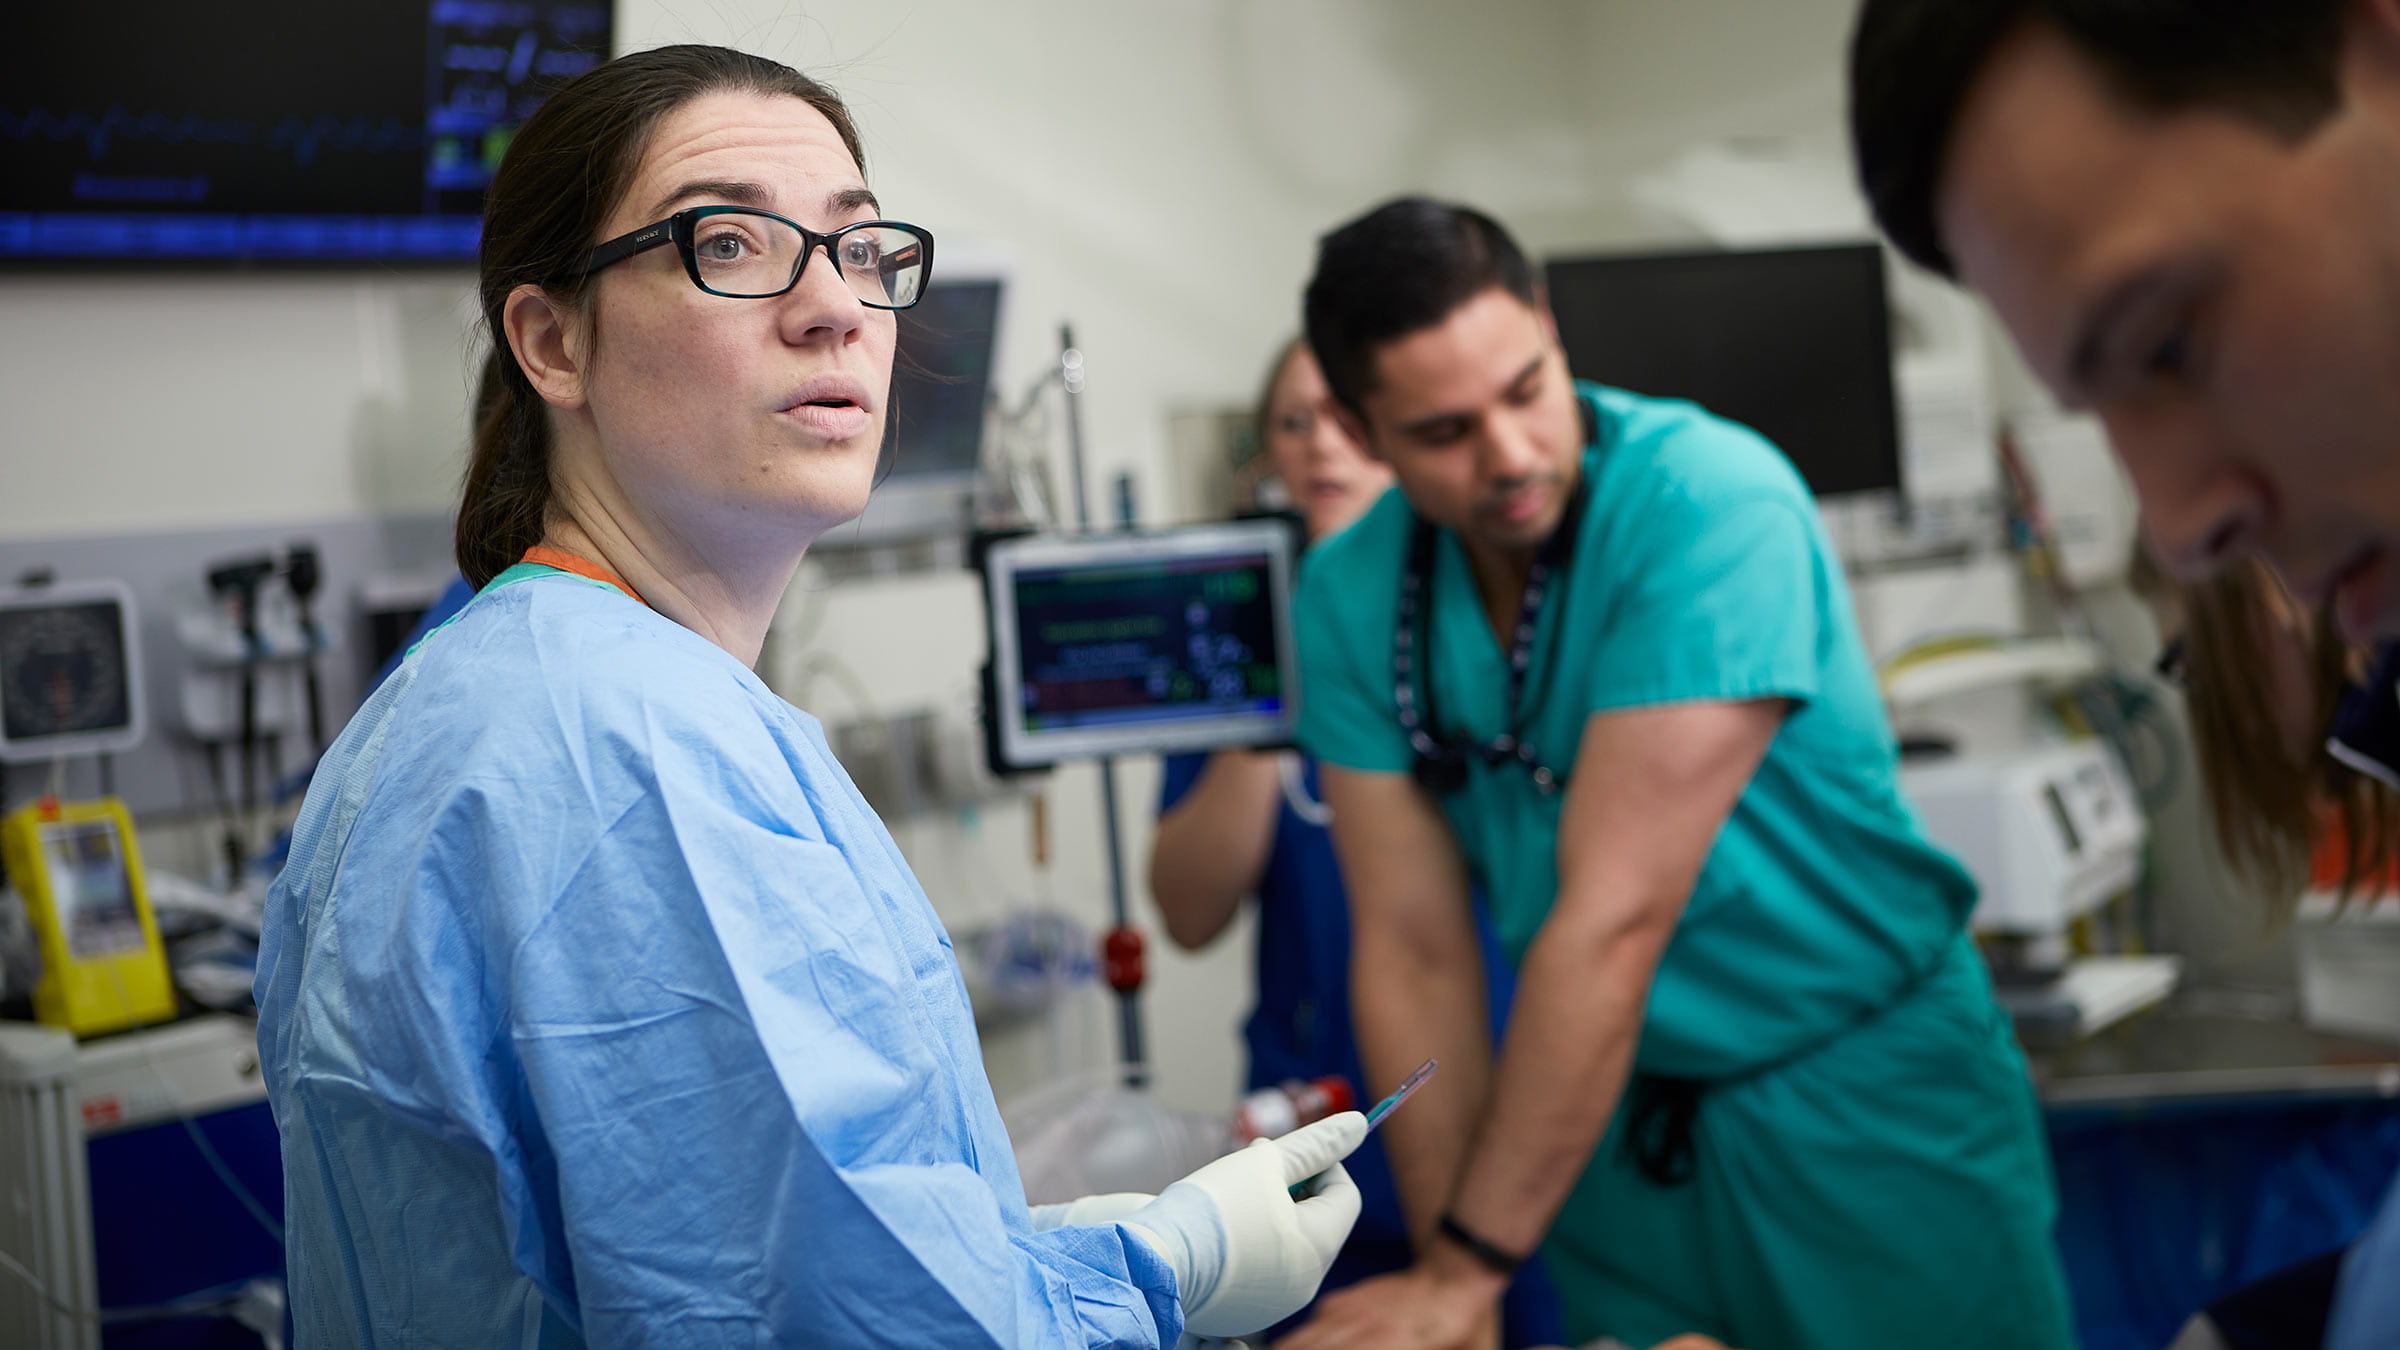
(70, 671)
(1794, 343)
(1139, 642)
(941, 384)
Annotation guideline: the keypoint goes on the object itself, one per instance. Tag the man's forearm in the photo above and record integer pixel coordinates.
(1408, 1006)
(1581, 995)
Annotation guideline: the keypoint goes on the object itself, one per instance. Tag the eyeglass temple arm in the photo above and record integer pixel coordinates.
(626, 245)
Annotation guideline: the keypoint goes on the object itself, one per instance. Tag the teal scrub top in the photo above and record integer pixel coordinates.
(1700, 574)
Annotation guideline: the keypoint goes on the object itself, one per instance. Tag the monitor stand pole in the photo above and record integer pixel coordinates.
(1121, 948)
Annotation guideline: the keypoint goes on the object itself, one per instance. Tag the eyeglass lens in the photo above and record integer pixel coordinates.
(749, 256)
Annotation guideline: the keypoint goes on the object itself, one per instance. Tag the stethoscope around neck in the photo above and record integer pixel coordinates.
(1440, 763)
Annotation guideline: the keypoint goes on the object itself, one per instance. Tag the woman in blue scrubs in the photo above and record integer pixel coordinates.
(596, 1008)
(1241, 823)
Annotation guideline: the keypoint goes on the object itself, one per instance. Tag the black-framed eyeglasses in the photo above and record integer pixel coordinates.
(743, 253)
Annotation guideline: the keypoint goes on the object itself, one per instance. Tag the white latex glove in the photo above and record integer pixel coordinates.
(1106, 1208)
(1247, 1255)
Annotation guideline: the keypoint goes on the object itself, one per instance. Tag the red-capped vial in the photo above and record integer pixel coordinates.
(1270, 1113)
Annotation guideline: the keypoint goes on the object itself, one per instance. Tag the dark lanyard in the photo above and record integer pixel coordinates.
(1441, 762)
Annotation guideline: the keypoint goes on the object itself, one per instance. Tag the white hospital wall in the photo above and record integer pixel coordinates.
(1156, 173)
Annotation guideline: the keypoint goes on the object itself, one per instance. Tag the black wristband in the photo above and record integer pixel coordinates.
(1499, 1260)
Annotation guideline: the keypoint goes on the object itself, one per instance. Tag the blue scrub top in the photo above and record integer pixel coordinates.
(597, 1008)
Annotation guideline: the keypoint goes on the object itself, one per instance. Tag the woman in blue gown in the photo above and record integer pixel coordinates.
(596, 1008)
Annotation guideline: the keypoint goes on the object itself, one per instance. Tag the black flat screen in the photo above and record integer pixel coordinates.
(1794, 343)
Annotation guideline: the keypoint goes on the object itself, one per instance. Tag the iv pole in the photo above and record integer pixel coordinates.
(1121, 949)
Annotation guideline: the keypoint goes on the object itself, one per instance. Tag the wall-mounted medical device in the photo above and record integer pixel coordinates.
(70, 671)
(1138, 642)
(70, 685)
(2050, 832)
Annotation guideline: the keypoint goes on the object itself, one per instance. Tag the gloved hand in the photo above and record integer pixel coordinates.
(1105, 1208)
(1247, 1255)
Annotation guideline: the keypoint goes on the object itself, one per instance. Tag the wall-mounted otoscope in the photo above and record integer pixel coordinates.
(237, 584)
(301, 577)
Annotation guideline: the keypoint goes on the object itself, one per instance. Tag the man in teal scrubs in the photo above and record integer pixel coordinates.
(1594, 652)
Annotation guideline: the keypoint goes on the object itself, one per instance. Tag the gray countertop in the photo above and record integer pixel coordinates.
(2214, 1045)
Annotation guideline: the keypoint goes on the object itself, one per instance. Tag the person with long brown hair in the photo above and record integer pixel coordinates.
(2266, 684)
(596, 1007)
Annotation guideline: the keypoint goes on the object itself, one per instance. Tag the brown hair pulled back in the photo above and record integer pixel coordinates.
(565, 171)
(2273, 797)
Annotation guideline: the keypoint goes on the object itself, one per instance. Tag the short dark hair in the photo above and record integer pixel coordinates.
(1911, 62)
(564, 172)
(1399, 269)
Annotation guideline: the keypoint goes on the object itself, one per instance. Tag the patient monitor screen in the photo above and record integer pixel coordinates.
(93, 890)
(1149, 643)
(1143, 642)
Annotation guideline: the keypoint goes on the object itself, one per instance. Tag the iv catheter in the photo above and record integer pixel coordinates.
(1381, 1109)
(1400, 1094)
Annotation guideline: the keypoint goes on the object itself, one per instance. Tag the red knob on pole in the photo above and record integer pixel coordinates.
(1121, 959)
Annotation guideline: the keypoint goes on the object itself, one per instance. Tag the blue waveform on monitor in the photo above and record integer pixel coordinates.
(301, 137)
(305, 136)
(96, 131)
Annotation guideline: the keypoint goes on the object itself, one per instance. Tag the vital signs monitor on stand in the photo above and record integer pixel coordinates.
(1138, 642)
(1132, 642)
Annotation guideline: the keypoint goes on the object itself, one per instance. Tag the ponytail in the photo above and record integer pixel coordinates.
(506, 503)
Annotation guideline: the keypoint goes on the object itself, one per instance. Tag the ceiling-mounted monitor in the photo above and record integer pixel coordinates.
(274, 132)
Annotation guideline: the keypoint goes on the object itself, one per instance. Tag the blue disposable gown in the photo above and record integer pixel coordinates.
(598, 1009)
